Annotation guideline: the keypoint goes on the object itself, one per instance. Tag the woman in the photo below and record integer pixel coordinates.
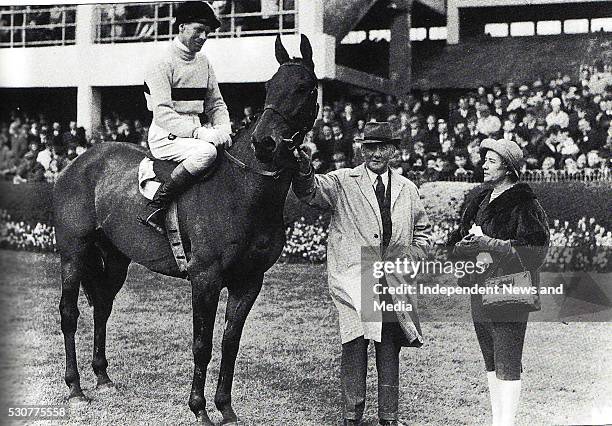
(514, 232)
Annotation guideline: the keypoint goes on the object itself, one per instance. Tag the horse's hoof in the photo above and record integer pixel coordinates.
(78, 401)
(203, 419)
(108, 387)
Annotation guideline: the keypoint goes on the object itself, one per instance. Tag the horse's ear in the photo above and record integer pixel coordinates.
(279, 50)
(306, 50)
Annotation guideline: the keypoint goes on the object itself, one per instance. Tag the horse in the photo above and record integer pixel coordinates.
(232, 222)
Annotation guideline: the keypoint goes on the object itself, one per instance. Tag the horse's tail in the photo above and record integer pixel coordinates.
(94, 272)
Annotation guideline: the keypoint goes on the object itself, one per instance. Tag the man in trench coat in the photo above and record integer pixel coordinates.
(380, 212)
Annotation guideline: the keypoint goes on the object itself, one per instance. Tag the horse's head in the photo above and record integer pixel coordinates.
(290, 109)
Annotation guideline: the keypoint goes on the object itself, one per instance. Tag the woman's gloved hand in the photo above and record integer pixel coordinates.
(477, 243)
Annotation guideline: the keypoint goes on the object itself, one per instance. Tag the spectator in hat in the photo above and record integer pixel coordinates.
(487, 124)
(380, 210)
(557, 116)
(514, 231)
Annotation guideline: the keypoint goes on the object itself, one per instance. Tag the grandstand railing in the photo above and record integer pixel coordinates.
(585, 175)
(24, 26)
(133, 22)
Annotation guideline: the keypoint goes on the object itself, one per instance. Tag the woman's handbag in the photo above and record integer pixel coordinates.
(513, 292)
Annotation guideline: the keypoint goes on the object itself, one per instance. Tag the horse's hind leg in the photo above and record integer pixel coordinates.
(115, 271)
(73, 268)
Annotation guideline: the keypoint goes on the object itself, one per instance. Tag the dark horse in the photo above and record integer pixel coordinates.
(232, 221)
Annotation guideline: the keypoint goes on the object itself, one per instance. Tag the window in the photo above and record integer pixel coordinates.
(437, 33)
(521, 29)
(549, 27)
(599, 24)
(496, 30)
(418, 34)
(576, 26)
(23, 26)
(380, 35)
(354, 37)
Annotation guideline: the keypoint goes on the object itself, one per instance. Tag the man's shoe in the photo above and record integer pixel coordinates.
(179, 181)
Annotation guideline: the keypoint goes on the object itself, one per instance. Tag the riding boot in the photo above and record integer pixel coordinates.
(180, 180)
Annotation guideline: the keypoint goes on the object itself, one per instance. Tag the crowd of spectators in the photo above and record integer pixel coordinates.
(32, 149)
(561, 125)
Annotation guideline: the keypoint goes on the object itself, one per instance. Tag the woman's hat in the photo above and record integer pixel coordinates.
(378, 132)
(509, 151)
(196, 11)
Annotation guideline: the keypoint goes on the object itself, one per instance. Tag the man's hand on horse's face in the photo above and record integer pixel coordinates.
(303, 160)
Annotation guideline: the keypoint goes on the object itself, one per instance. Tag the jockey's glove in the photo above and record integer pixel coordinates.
(217, 137)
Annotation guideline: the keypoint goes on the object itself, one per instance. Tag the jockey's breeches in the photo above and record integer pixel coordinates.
(196, 155)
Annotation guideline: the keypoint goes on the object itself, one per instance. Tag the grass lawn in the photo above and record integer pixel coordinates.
(288, 367)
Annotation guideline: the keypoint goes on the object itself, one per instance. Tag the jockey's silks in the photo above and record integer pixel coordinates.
(180, 83)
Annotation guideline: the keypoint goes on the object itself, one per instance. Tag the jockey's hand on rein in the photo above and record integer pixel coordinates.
(217, 137)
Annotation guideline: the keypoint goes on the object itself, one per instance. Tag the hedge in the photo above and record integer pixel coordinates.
(571, 201)
(565, 201)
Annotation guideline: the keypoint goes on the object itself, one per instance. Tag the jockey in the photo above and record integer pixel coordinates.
(179, 86)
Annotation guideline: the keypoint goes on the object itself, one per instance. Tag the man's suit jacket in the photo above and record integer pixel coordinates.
(355, 224)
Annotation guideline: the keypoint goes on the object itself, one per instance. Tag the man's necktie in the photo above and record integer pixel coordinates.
(385, 210)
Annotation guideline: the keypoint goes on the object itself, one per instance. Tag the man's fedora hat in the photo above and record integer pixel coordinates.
(196, 11)
(378, 132)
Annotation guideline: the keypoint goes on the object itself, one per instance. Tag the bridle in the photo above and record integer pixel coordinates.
(296, 139)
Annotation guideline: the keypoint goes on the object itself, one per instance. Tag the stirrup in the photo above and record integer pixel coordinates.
(150, 221)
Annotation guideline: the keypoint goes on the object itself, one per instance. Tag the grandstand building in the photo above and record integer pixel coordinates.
(79, 61)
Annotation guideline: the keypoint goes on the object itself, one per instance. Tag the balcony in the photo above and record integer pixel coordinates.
(136, 22)
(28, 26)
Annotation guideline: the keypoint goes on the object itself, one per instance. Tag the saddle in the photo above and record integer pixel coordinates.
(153, 169)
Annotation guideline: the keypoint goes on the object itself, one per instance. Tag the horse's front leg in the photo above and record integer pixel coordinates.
(206, 286)
(241, 297)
